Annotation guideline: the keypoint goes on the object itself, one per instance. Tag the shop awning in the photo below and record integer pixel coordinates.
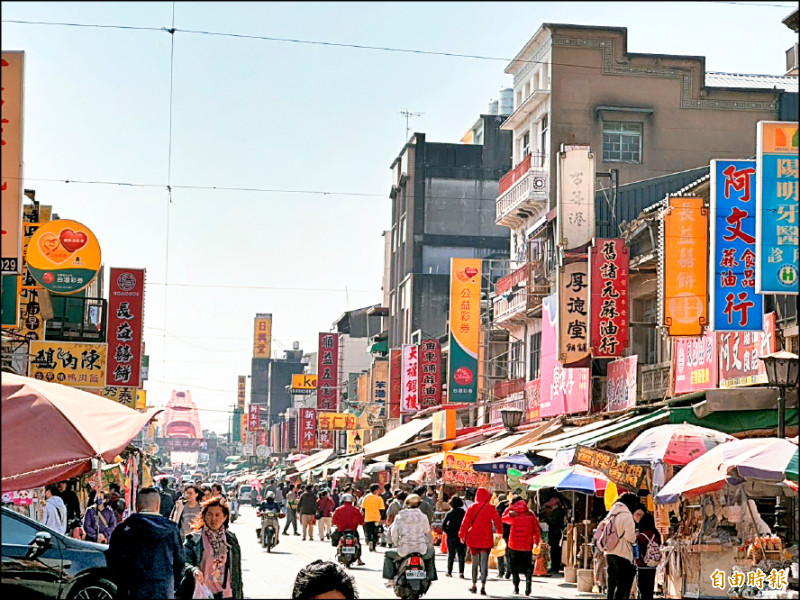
(734, 422)
(396, 437)
(741, 399)
(493, 445)
(379, 347)
(314, 460)
(404, 464)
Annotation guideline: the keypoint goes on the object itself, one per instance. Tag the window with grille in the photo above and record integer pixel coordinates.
(622, 142)
(536, 354)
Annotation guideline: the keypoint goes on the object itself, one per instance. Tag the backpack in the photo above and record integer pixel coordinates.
(653, 555)
(606, 537)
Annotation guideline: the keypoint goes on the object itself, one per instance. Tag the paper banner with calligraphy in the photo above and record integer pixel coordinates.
(395, 381)
(253, 417)
(457, 470)
(533, 399)
(621, 474)
(380, 387)
(430, 383)
(63, 256)
(333, 421)
(685, 266)
(328, 372)
(573, 316)
(465, 313)
(303, 383)
(563, 390)
(621, 384)
(733, 301)
(125, 322)
(739, 362)
(777, 208)
(308, 429)
(409, 392)
(68, 363)
(576, 175)
(241, 391)
(695, 363)
(13, 64)
(608, 297)
(262, 335)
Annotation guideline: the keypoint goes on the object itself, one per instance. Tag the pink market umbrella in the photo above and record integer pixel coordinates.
(673, 444)
(52, 431)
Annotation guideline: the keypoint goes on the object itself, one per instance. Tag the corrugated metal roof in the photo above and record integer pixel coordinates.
(742, 80)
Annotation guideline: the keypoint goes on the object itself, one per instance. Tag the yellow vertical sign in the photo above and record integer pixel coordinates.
(465, 322)
(11, 161)
(262, 335)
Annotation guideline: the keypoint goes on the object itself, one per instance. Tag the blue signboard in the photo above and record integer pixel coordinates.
(777, 204)
(735, 305)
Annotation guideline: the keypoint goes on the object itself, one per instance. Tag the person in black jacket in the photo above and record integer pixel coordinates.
(145, 554)
(450, 526)
(307, 508)
(73, 505)
(503, 565)
(167, 499)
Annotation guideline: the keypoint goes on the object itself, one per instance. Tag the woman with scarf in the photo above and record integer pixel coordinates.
(213, 554)
(476, 533)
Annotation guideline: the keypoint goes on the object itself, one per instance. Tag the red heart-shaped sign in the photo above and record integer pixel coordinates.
(73, 240)
(471, 272)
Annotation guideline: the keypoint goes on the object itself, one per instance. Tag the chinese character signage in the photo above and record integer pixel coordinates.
(409, 391)
(733, 301)
(324, 439)
(685, 273)
(303, 383)
(457, 470)
(695, 365)
(78, 365)
(575, 196)
(328, 372)
(621, 384)
(333, 421)
(430, 383)
(395, 382)
(739, 364)
(380, 387)
(254, 417)
(608, 298)
(290, 434)
(11, 157)
(125, 322)
(240, 391)
(621, 474)
(63, 256)
(573, 330)
(465, 319)
(533, 398)
(308, 429)
(776, 208)
(563, 390)
(262, 335)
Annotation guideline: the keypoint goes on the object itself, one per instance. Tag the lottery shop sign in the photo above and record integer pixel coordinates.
(735, 305)
(63, 256)
(608, 298)
(125, 322)
(465, 312)
(430, 384)
(409, 399)
(457, 470)
(308, 428)
(328, 372)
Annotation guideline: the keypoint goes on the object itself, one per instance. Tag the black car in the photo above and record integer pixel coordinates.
(40, 563)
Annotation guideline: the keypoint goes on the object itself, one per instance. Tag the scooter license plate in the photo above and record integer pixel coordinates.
(415, 574)
(348, 550)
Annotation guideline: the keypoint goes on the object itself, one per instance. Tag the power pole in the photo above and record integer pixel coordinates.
(405, 112)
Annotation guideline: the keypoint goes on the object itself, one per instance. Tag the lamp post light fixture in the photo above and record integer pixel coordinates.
(782, 369)
(512, 417)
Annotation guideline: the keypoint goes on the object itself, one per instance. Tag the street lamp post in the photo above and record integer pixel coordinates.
(782, 369)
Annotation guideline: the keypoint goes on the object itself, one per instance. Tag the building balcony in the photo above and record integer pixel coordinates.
(522, 114)
(507, 387)
(654, 381)
(524, 192)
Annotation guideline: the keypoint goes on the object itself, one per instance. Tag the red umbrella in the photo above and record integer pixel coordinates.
(52, 431)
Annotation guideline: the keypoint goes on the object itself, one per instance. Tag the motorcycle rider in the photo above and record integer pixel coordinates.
(269, 504)
(410, 532)
(347, 518)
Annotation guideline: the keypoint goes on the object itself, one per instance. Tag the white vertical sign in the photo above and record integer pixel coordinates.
(409, 394)
(576, 175)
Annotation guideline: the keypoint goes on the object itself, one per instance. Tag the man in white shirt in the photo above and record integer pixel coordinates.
(55, 511)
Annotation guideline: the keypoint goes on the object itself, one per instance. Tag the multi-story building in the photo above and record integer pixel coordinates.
(270, 381)
(643, 115)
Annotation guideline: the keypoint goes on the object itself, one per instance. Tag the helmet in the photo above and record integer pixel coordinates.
(347, 497)
(269, 496)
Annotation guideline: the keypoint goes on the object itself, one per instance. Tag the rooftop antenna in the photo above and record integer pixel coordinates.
(405, 112)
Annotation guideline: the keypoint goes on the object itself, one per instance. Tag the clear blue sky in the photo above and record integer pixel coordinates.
(277, 115)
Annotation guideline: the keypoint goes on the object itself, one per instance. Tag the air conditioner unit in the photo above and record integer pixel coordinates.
(792, 60)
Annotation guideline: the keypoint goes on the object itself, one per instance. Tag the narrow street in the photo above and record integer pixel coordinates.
(271, 575)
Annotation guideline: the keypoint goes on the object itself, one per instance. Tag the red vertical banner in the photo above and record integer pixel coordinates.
(325, 439)
(328, 372)
(395, 382)
(125, 322)
(308, 429)
(533, 398)
(430, 380)
(254, 417)
(608, 299)
(262, 437)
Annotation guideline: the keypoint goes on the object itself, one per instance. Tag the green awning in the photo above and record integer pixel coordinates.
(379, 347)
(734, 421)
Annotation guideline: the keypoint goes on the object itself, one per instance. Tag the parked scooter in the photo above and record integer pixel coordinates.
(349, 549)
(413, 580)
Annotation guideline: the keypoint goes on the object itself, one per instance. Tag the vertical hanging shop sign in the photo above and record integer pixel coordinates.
(573, 321)
(533, 398)
(395, 382)
(325, 439)
(776, 208)
(733, 301)
(409, 398)
(328, 372)
(608, 299)
(380, 386)
(430, 384)
(125, 323)
(308, 428)
(465, 313)
(262, 335)
(739, 352)
(621, 384)
(685, 273)
(695, 367)
(254, 417)
(11, 156)
(240, 392)
(576, 175)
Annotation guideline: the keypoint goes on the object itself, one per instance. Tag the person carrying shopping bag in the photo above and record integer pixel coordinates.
(477, 534)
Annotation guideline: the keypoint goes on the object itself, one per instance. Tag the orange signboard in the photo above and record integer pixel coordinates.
(685, 267)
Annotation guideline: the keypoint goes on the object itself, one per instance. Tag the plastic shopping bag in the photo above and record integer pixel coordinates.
(201, 591)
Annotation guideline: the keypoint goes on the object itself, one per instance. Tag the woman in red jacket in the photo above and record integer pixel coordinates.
(525, 534)
(476, 532)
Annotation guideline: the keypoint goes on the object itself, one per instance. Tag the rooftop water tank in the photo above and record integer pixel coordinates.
(506, 101)
(493, 105)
